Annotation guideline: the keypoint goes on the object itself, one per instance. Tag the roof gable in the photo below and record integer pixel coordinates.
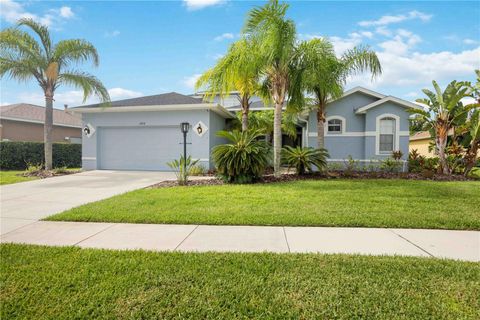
(362, 90)
(398, 101)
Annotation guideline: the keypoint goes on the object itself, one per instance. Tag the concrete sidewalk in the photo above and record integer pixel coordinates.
(461, 245)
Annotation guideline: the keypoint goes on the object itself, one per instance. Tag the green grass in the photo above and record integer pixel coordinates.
(66, 283)
(13, 176)
(353, 203)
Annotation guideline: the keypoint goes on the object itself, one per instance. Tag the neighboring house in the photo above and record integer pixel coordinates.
(144, 133)
(421, 142)
(25, 122)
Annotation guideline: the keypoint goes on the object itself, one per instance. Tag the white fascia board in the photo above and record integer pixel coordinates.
(40, 122)
(401, 102)
(362, 90)
(174, 107)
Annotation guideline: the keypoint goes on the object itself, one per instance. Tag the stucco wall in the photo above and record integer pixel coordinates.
(359, 136)
(25, 131)
(199, 147)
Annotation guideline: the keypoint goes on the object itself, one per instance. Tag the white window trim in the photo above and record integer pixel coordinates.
(396, 140)
(343, 126)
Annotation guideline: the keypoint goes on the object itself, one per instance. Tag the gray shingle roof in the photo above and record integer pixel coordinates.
(170, 98)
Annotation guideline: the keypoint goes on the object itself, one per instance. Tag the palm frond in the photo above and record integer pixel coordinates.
(41, 31)
(75, 51)
(87, 82)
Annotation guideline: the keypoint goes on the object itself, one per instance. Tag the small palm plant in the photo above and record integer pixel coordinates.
(305, 159)
(182, 168)
(244, 159)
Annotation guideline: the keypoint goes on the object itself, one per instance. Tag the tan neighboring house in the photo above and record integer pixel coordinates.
(421, 142)
(24, 122)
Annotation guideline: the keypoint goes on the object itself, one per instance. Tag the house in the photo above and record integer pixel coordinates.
(25, 122)
(421, 142)
(144, 133)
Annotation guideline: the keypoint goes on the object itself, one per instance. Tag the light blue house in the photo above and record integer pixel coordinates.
(143, 133)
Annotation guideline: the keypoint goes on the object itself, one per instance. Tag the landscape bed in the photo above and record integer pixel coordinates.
(58, 283)
(338, 202)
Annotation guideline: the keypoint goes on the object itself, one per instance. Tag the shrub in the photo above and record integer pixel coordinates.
(245, 159)
(305, 159)
(390, 165)
(351, 165)
(182, 168)
(416, 161)
(397, 155)
(198, 170)
(17, 155)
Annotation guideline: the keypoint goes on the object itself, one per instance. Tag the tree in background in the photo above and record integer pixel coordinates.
(237, 71)
(444, 111)
(23, 58)
(326, 75)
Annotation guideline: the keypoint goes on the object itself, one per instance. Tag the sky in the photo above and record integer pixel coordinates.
(153, 47)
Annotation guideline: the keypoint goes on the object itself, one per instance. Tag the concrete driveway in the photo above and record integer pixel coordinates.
(26, 202)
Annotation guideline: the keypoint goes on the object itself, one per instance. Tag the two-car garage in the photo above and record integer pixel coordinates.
(138, 148)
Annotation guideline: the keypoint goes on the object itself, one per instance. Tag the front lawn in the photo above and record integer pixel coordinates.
(66, 283)
(13, 176)
(352, 203)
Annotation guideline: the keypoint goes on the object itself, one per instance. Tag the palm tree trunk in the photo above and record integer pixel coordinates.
(441, 143)
(245, 109)
(47, 130)
(277, 138)
(320, 127)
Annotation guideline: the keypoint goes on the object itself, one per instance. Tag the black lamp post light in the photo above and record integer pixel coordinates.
(184, 127)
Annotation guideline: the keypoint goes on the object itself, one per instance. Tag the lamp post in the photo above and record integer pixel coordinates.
(184, 127)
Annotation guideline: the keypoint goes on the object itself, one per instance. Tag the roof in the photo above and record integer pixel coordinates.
(400, 102)
(171, 98)
(171, 101)
(363, 90)
(36, 114)
(255, 105)
(421, 135)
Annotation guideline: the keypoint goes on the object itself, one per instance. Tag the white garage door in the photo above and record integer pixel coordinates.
(138, 148)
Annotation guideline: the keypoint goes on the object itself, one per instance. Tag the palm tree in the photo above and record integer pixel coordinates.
(236, 71)
(274, 38)
(445, 110)
(23, 58)
(326, 75)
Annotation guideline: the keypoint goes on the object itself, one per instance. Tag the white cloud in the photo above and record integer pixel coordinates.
(112, 34)
(224, 36)
(190, 81)
(12, 11)
(200, 4)
(389, 19)
(383, 31)
(470, 41)
(66, 12)
(401, 43)
(74, 98)
(419, 69)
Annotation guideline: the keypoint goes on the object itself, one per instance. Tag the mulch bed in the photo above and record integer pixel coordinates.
(42, 174)
(269, 178)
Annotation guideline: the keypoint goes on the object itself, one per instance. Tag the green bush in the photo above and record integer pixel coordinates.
(18, 155)
(245, 159)
(305, 159)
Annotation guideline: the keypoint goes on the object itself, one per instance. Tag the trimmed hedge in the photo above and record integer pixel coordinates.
(15, 155)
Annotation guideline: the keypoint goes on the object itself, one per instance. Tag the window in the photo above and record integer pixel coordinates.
(387, 135)
(335, 126)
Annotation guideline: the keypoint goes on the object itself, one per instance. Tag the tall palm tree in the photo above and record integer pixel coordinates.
(326, 74)
(236, 71)
(23, 58)
(445, 110)
(274, 38)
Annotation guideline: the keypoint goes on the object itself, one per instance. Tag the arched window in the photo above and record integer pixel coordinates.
(387, 135)
(334, 126)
